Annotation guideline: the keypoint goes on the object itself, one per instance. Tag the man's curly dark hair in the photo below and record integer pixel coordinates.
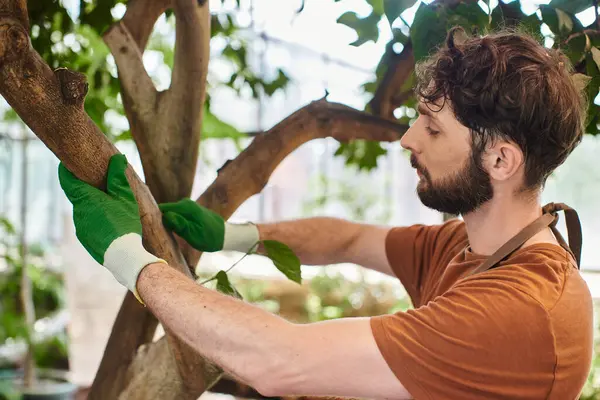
(508, 86)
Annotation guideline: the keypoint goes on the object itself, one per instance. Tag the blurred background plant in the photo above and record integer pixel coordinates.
(48, 338)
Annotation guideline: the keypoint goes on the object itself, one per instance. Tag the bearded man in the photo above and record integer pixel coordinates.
(500, 308)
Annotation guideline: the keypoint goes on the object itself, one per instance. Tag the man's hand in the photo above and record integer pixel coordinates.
(206, 230)
(108, 223)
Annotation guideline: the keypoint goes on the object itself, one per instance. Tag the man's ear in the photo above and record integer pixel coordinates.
(502, 160)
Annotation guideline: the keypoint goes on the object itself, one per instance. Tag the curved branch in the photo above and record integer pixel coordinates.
(248, 173)
(133, 76)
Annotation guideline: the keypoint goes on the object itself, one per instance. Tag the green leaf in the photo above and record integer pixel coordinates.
(284, 259)
(559, 21)
(575, 48)
(596, 56)
(427, 31)
(366, 28)
(393, 8)
(565, 23)
(506, 14)
(8, 227)
(591, 70)
(571, 6)
(213, 127)
(378, 7)
(123, 136)
(468, 15)
(280, 82)
(550, 18)
(581, 81)
(97, 14)
(224, 286)
(361, 153)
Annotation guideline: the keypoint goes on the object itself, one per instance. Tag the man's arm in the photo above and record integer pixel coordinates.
(316, 241)
(321, 241)
(332, 358)
(276, 357)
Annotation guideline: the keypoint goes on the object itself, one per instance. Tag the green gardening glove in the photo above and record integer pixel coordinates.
(206, 230)
(108, 223)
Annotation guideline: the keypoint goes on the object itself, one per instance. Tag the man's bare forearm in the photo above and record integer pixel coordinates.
(233, 334)
(315, 241)
(324, 240)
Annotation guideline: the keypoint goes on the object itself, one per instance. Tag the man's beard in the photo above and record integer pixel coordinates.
(459, 193)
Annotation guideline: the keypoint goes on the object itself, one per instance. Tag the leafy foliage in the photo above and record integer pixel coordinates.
(284, 259)
(47, 293)
(76, 43)
(429, 28)
(362, 153)
(393, 8)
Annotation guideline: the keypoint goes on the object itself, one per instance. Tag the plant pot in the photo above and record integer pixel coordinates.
(8, 390)
(50, 389)
(49, 385)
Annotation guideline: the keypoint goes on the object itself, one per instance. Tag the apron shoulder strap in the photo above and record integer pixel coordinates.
(549, 218)
(573, 229)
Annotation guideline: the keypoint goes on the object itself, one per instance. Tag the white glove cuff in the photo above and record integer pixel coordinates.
(240, 237)
(126, 257)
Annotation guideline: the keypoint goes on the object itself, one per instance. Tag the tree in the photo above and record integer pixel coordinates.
(167, 127)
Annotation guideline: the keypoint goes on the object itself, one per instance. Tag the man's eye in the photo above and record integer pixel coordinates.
(431, 131)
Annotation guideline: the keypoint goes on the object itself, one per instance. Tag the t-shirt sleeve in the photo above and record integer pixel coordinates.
(475, 341)
(415, 252)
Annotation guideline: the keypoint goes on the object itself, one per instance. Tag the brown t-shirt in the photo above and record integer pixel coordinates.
(522, 330)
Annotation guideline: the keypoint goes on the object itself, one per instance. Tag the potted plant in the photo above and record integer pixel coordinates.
(32, 365)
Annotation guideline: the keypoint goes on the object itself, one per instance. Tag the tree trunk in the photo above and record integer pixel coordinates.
(167, 136)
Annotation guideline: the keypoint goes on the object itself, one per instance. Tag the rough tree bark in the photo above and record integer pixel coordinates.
(166, 129)
(51, 104)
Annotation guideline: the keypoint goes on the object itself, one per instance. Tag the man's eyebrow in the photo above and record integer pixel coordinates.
(423, 110)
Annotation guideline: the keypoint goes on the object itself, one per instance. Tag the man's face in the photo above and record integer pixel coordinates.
(452, 178)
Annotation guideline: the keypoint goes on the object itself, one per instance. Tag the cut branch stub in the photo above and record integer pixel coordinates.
(73, 86)
(14, 41)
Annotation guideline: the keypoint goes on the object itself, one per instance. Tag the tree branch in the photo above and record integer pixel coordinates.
(192, 41)
(155, 374)
(137, 327)
(248, 173)
(401, 66)
(52, 106)
(173, 143)
(133, 76)
(140, 17)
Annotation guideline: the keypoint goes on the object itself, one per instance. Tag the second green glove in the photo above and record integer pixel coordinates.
(206, 230)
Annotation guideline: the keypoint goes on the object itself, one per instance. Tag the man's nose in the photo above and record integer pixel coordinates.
(409, 140)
